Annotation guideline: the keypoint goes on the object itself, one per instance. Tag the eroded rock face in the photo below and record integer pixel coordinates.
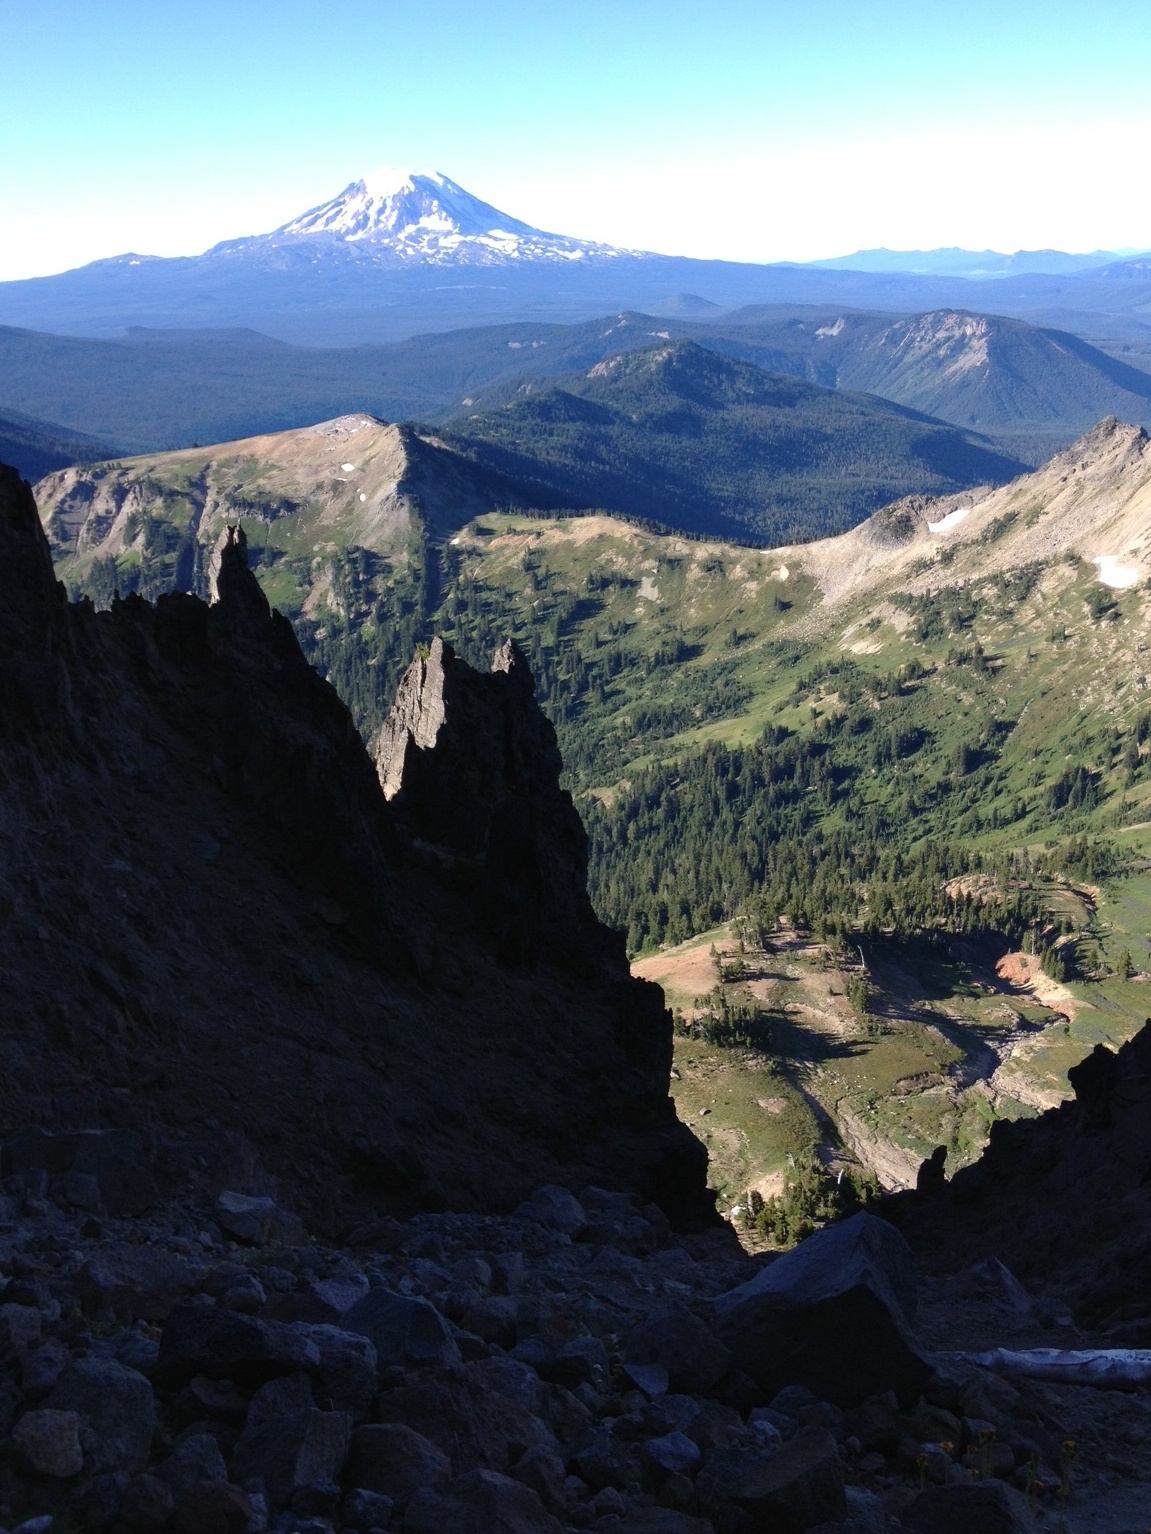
(204, 891)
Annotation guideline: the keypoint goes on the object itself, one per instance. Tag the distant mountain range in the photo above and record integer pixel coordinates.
(1032, 390)
(372, 264)
(952, 261)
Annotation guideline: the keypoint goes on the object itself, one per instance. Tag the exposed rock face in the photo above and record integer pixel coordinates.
(1064, 1199)
(219, 935)
(471, 765)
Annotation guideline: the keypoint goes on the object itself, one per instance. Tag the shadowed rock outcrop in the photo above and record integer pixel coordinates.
(217, 933)
(470, 764)
(1064, 1200)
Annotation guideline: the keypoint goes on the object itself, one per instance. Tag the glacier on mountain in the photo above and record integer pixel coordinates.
(423, 216)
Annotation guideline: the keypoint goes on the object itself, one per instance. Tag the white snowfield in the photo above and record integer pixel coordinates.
(952, 519)
(1112, 572)
(1105, 1367)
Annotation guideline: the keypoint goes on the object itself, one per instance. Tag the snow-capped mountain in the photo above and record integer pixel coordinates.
(422, 217)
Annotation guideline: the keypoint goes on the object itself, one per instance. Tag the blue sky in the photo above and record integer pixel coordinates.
(753, 131)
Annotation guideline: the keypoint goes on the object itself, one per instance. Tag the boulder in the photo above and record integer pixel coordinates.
(136, 1282)
(478, 1427)
(481, 1502)
(290, 1453)
(979, 1507)
(48, 1443)
(677, 1340)
(257, 1221)
(391, 1460)
(19, 1329)
(212, 1507)
(202, 1339)
(347, 1378)
(543, 1470)
(42, 1367)
(833, 1315)
(194, 1459)
(117, 1411)
(672, 1454)
(556, 1208)
(402, 1330)
(580, 1361)
(147, 1506)
(366, 1510)
(798, 1485)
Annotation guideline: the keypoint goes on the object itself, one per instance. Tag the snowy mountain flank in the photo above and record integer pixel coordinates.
(404, 216)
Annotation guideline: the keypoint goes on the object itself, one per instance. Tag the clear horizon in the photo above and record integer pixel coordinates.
(756, 136)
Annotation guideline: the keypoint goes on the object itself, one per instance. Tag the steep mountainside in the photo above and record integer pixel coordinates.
(245, 906)
(1033, 390)
(710, 445)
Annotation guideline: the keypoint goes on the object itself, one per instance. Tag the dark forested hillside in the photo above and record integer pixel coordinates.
(35, 448)
(710, 445)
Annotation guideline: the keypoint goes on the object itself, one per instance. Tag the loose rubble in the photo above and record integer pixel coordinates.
(573, 1366)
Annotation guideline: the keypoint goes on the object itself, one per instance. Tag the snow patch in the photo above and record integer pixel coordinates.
(1118, 576)
(781, 574)
(648, 589)
(832, 330)
(952, 519)
(363, 497)
(348, 468)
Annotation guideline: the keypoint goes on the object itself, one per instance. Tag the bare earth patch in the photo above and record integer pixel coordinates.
(1024, 971)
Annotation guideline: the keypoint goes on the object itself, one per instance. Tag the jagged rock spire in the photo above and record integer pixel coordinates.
(231, 585)
(471, 765)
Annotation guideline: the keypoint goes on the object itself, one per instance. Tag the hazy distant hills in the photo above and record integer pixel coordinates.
(1032, 390)
(709, 444)
(951, 261)
(396, 255)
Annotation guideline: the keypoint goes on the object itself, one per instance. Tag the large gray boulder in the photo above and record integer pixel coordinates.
(833, 1315)
(402, 1329)
(798, 1486)
(203, 1339)
(116, 1409)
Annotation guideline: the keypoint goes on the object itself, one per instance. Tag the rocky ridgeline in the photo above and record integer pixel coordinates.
(572, 1366)
(219, 934)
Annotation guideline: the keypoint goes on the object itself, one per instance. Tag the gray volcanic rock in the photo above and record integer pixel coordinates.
(831, 1315)
(203, 887)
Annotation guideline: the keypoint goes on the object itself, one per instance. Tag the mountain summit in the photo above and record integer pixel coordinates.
(423, 216)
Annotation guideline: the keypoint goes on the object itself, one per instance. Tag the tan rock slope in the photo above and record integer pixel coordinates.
(216, 931)
(1093, 500)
